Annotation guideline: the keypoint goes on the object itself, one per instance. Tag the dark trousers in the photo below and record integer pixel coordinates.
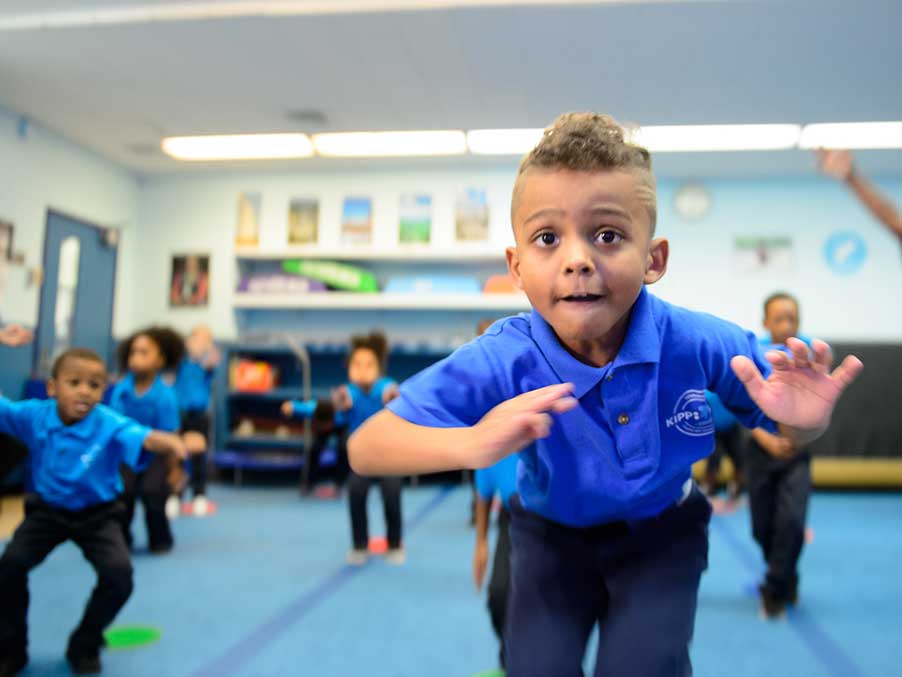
(778, 498)
(637, 580)
(499, 583)
(97, 531)
(342, 468)
(358, 488)
(151, 487)
(12, 455)
(199, 422)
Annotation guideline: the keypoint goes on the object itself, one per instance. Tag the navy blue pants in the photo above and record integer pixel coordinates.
(637, 580)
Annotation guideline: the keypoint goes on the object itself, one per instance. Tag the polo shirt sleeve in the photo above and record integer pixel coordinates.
(456, 391)
(16, 417)
(116, 398)
(303, 409)
(168, 418)
(722, 341)
(129, 440)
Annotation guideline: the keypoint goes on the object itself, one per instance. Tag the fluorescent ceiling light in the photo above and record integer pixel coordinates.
(503, 141)
(238, 147)
(201, 10)
(695, 138)
(390, 144)
(852, 135)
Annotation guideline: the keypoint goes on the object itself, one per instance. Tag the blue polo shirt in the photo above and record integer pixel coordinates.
(157, 408)
(626, 451)
(192, 385)
(723, 419)
(767, 343)
(363, 405)
(500, 479)
(73, 466)
(303, 408)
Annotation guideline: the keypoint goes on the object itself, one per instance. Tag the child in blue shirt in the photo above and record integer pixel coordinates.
(501, 480)
(367, 391)
(193, 380)
(728, 441)
(76, 446)
(601, 391)
(143, 396)
(779, 480)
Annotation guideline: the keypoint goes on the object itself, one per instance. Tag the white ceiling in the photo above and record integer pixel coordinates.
(117, 89)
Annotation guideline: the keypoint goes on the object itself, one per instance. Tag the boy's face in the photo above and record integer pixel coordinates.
(363, 368)
(145, 356)
(584, 249)
(781, 319)
(77, 387)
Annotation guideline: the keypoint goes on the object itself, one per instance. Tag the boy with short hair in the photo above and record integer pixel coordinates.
(72, 481)
(779, 480)
(601, 390)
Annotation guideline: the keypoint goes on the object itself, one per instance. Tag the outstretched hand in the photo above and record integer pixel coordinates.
(801, 392)
(520, 421)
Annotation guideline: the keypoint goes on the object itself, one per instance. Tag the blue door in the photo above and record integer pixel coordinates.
(77, 292)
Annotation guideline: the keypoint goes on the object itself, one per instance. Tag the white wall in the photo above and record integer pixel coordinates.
(39, 171)
(188, 213)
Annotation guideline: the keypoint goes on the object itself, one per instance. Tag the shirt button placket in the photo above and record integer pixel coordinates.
(623, 419)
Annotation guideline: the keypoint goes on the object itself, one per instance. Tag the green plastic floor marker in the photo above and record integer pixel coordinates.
(131, 636)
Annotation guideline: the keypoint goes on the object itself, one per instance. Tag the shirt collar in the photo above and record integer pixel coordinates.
(129, 382)
(83, 429)
(642, 344)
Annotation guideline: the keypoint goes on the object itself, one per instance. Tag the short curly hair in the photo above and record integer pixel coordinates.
(374, 341)
(169, 341)
(590, 142)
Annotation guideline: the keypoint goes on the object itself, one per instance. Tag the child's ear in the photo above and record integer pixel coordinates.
(51, 387)
(656, 264)
(513, 265)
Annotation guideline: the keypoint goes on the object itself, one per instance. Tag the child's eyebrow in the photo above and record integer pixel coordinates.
(550, 211)
(608, 211)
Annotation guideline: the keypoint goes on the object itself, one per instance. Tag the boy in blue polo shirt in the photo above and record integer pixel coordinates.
(72, 480)
(501, 480)
(779, 480)
(601, 390)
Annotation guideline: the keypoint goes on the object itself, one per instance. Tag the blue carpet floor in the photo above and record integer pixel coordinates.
(261, 588)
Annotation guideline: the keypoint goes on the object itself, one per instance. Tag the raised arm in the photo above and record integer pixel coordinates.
(160, 442)
(386, 444)
(839, 165)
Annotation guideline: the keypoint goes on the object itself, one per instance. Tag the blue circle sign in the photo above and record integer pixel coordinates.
(845, 252)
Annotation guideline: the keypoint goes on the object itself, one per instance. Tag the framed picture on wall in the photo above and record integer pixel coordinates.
(762, 253)
(189, 283)
(247, 233)
(6, 241)
(303, 221)
(415, 218)
(472, 218)
(357, 220)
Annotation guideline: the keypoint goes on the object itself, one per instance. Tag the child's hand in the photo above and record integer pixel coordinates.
(835, 163)
(799, 393)
(287, 408)
(519, 422)
(390, 392)
(480, 563)
(195, 442)
(777, 446)
(14, 335)
(211, 358)
(341, 398)
(178, 448)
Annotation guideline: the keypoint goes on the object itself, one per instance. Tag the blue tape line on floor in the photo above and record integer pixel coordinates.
(828, 652)
(236, 656)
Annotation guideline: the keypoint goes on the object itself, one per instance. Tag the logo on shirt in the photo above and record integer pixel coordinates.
(692, 415)
(88, 457)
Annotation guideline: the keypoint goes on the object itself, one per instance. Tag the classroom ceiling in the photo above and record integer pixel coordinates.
(119, 88)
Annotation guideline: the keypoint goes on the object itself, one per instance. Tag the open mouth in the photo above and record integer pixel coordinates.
(582, 298)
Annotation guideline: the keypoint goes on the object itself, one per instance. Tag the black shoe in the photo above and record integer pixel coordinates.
(84, 663)
(160, 548)
(771, 607)
(793, 599)
(13, 665)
